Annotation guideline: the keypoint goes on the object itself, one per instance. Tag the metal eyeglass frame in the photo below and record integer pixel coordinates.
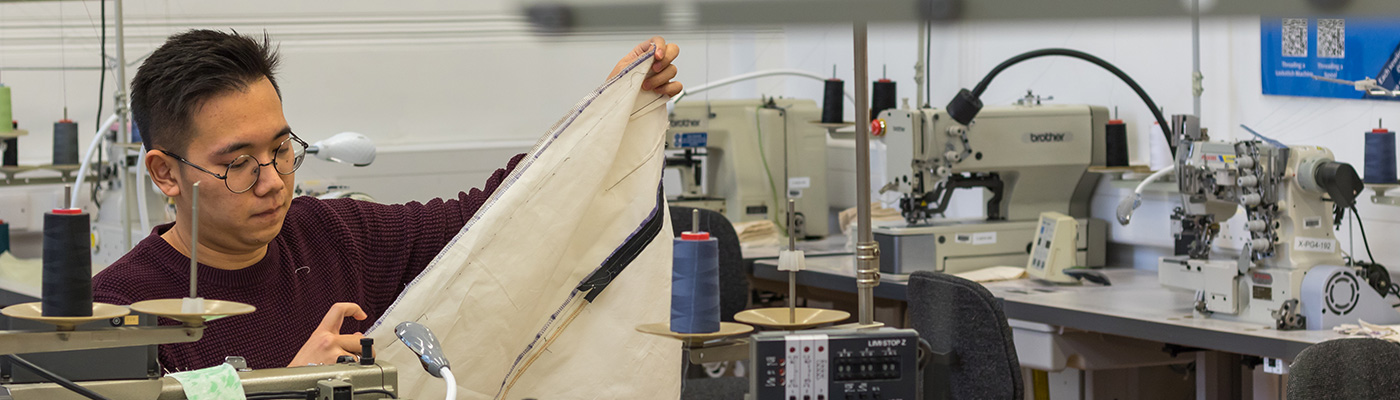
(292, 137)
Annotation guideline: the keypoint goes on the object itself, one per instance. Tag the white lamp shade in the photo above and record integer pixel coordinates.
(345, 147)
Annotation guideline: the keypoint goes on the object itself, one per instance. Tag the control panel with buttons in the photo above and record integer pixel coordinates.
(835, 364)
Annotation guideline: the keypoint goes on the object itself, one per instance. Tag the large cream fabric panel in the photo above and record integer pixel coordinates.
(509, 298)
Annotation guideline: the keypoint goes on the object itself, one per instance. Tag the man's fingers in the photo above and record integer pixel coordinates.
(337, 314)
(665, 60)
(660, 44)
(660, 78)
(669, 89)
(350, 343)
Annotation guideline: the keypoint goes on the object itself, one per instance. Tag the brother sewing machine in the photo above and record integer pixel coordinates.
(1291, 273)
(744, 158)
(1026, 159)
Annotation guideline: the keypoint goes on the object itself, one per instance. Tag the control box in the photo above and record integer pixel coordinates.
(1054, 248)
(835, 364)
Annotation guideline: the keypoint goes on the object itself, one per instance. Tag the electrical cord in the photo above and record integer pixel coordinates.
(1363, 235)
(1376, 274)
(282, 395)
(377, 391)
(61, 381)
(309, 394)
(1151, 105)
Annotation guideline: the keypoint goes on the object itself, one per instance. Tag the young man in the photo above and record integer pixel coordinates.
(210, 111)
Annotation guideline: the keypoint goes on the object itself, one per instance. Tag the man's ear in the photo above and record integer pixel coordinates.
(162, 170)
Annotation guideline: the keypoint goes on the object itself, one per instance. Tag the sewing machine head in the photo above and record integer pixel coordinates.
(745, 158)
(1031, 158)
(1293, 197)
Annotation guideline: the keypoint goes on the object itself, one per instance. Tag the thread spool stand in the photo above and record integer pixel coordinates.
(791, 317)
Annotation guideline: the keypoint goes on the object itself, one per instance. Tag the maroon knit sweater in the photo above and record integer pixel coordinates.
(328, 251)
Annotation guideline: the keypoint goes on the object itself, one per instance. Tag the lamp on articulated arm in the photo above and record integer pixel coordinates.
(423, 343)
(345, 147)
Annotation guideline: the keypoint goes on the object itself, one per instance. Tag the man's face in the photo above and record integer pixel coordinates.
(228, 126)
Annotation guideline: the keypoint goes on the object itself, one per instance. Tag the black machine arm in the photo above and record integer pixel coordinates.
(919, 208)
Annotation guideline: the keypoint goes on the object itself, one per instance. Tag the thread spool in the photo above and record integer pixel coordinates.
(4, 236)
(882, 97)
(6, 113)
(832, 104)
(65, 142)
(67, 274)
(1116, 143)
(11, 157)
(1380, 156)
(695, 284)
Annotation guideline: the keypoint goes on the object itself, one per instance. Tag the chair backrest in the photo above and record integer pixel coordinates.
(733, 281)
(1347, 368)
(960, 317)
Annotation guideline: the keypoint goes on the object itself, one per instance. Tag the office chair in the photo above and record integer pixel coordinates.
(1347, 368)
(975, 357)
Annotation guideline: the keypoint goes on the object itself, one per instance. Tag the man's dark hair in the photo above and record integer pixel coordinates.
(189, 69)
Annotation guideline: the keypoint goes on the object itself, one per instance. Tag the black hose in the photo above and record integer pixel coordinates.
(376, 391)
(1156, 112)
(61, 381)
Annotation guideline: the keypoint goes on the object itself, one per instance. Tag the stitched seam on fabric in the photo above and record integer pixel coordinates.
(520, 168)
(543, 330)
(505, 390)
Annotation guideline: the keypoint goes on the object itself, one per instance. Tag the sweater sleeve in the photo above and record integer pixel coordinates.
(394, 243)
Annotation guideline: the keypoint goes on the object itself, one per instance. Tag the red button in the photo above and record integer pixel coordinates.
(877, 127)
(695, 236)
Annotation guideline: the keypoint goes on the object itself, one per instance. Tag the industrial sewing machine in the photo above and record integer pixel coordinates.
(1026, 159)
(745, 158)
(1290, 274)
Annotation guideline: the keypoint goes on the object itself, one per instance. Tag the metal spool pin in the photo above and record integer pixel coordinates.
(792, 275)
(194, 240)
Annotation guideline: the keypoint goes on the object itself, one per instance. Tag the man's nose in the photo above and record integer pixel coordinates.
(269, 181)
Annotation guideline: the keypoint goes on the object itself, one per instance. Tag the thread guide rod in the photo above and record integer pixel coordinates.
(792, 275)
(867, 251)
(194, 240)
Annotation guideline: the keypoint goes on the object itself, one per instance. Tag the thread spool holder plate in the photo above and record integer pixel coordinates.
(779, 318)
(171, 308)
(13, 134)
(34, 312)
(726, 329)
(1382, 197)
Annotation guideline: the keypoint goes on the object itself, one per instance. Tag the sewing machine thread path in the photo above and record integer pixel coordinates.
(1290, 274)
(1025, 159)
(745, 158)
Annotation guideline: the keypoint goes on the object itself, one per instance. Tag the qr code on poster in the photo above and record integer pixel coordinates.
(1295, 37)
(1331, 38)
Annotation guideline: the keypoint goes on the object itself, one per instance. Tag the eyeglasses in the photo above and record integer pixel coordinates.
(241, 174)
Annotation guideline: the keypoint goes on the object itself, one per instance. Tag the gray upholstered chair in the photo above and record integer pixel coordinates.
(1348, 368)
(963, 321)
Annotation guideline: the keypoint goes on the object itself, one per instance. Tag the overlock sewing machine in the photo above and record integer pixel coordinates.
(1290, 274)
(1026, 159)
(744, 158)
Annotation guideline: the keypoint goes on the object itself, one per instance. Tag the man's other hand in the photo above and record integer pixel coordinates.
(662, 71)
(326, 343)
